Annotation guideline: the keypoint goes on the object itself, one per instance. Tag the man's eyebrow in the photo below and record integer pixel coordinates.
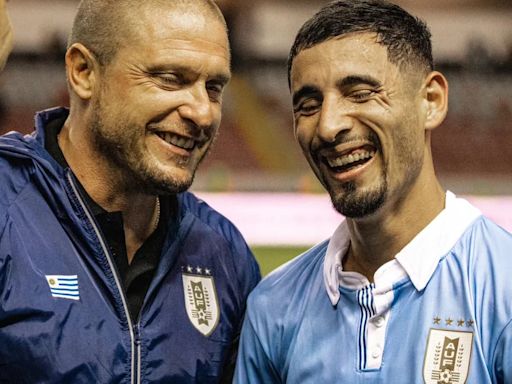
(303, 91)
(221, 79)
(358, 79)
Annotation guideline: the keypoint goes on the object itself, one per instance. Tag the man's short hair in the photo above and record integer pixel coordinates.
(406, 37)
(104, 25)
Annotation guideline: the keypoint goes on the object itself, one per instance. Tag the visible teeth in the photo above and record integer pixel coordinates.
(178, 141)
(348, 159)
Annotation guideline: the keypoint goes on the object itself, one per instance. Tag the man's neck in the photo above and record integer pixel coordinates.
(378, 239)
(137, 228)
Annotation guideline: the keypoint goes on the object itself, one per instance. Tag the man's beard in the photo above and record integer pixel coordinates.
(357, 204)
(123, 148)
(354, 202)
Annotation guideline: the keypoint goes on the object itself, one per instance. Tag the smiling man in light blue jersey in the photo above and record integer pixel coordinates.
(414, 285)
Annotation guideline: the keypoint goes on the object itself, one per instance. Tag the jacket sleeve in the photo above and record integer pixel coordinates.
(5, 256)
(249, 276)
(247, 268)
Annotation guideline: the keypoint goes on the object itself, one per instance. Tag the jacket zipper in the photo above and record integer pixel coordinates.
(137, 344)
(134, 338)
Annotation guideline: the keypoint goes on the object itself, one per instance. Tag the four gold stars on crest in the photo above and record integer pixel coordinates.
(450, 322)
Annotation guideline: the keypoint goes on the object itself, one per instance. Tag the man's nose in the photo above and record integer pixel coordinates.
(334, 119)
(198, 107)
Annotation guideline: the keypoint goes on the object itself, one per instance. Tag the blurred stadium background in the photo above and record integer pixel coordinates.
(255, 174)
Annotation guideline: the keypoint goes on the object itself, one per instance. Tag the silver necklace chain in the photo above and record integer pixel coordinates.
(157, 218)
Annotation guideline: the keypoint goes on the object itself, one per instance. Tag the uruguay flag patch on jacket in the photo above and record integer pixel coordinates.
(64, 286)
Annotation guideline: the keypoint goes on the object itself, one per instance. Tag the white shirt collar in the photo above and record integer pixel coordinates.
(417, 260)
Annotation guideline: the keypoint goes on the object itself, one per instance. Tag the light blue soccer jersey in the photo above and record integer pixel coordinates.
(440, 312)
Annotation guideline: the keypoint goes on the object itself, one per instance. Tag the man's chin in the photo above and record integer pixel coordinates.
(159, 184)
(167, 187)
(355, 204)
(172, 185)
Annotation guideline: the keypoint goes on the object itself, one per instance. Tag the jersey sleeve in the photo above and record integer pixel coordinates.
(254, 365)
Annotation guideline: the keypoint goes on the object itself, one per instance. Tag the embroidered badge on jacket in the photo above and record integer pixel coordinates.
(447, 357)
(64, 286)
(201, 299)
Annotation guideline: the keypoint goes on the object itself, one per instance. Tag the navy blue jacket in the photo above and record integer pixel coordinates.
(63, 315)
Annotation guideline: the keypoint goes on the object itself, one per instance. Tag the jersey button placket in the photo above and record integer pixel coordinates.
(379, 321)
(377, 329)
(377, 352)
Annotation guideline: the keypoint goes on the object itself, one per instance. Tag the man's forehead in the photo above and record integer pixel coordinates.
(177, 40)
(347, 53)
(357, 44)
(179, 25)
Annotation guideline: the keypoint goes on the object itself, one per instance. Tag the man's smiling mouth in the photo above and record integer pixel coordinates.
(350, 159)
(176, 140)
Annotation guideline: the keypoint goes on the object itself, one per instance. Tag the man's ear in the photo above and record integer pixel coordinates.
(436, 99)
(81, 70)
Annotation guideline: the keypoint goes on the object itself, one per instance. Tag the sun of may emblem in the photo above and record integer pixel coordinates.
(447, 357)
(201, 299)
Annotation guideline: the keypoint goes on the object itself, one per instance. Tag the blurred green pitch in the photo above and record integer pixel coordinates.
(269, 258)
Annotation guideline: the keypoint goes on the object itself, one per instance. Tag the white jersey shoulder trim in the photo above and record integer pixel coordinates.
(421, 256)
